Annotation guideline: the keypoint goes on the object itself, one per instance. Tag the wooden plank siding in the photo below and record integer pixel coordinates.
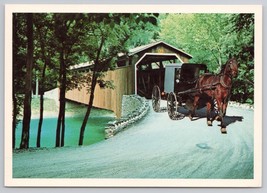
(124, 81)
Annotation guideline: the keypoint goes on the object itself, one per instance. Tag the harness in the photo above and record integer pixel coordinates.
(217, 79)
(223, 83)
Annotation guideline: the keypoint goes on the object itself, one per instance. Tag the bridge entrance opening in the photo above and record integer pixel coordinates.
(150, 71)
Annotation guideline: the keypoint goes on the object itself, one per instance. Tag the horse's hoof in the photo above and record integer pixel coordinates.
(191, 118)
(223, 131)
(209, 123)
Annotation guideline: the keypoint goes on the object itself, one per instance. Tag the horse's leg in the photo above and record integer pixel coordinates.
(225, 107)
(216, 110)
(223, 126)
(226, 104)
(221, 106)
(192, 112)
(209, 119)
(220, 115)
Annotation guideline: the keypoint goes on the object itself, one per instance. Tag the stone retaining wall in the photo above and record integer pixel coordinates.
(134, 108)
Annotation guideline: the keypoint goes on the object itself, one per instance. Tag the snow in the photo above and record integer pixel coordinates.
(157, 148)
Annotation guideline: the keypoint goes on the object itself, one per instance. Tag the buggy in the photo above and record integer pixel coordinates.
(179, 88)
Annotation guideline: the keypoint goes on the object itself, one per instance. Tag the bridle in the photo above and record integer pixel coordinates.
(229, 69)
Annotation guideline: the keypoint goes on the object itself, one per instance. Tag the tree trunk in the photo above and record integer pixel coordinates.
(14, 97)
(63, 113)
(28, 87)
(92, 91)
(58, 128)
(14, 121)
(60, 132)
(38, 143)
(89, 107)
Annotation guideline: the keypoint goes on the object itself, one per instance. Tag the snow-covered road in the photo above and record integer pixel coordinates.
(156, 147)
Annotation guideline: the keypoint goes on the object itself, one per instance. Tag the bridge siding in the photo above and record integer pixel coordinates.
(109, 99)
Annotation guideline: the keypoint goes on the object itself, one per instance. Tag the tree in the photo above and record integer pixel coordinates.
(19, 61)
(28, 85)
(109, 34)
(202, 35)
(44, 56)
(68, 30)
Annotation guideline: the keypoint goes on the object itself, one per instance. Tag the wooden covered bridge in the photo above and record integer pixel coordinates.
(136, 73)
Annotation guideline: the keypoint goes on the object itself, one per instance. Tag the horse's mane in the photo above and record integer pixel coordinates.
(222, 68)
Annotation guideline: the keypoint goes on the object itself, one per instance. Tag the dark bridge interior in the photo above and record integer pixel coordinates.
(151, 71)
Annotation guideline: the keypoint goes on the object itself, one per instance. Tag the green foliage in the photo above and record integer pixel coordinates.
(19, 52)
(202, 35)
(45, 55)
(109, 34)
(211, 38)
(243, 25)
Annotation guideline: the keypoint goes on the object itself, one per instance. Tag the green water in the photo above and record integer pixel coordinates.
(94, 131)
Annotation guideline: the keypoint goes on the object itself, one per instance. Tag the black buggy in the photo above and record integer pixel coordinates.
(178, 89)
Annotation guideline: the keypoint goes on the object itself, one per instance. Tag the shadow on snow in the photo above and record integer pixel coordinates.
(202, 113)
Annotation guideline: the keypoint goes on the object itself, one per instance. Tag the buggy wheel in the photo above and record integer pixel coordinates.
(156, 98)
(172, 105)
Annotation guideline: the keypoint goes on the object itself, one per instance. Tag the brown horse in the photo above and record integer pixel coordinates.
(216, 88)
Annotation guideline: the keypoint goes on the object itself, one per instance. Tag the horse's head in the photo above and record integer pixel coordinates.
(231, 67)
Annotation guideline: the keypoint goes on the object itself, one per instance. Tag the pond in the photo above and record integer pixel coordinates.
(94, 131)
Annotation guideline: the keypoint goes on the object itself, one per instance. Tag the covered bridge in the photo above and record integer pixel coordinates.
(149, 63)
(136, 73)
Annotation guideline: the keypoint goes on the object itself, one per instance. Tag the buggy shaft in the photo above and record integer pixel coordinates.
(195, 90)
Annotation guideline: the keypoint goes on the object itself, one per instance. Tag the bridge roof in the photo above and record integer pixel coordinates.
(151, 45)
